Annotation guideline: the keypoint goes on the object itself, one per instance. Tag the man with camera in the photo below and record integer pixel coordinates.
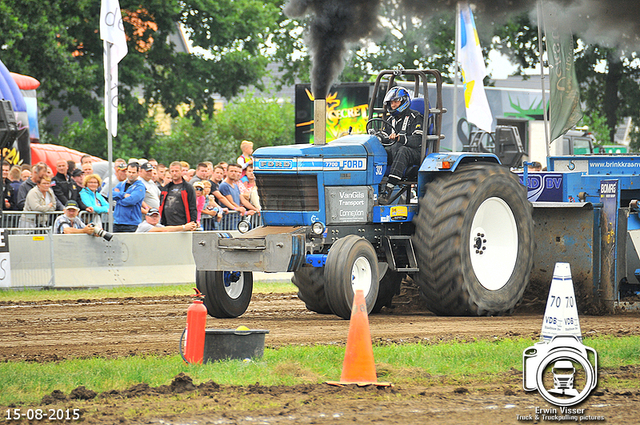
(69, 222)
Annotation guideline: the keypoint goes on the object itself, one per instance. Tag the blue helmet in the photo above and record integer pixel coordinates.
(397, 93)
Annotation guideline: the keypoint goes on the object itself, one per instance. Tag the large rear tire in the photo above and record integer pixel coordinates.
(227, 294)
(351, 264)
(310, 282)
(474, 241)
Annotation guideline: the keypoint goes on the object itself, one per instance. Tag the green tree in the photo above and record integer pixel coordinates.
(289, 52)
(266, 122)
(188, 142)
(598, 126)
(614, 91)
(134, 139)
(58, 43)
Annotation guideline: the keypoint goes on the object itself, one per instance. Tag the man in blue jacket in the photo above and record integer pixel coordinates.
(128, 196)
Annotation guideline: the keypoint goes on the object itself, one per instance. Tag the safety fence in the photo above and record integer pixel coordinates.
(229, 221)
(34, 257)
(40, 223)
(80, 260)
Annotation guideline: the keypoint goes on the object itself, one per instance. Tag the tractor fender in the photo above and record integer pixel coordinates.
(448, 162)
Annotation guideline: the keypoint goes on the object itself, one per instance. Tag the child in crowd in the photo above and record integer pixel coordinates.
(245, 159)
(211, 209)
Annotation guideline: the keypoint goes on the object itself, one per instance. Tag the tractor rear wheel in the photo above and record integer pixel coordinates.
(474, 241)
(227, 294)
(310, 283)
(351, 264)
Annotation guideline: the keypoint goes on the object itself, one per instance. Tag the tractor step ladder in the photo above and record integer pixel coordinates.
(400, 253)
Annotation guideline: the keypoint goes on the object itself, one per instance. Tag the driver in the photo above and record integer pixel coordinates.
(406, 138)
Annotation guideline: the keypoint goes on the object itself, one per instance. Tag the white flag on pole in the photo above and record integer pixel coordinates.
(473, 71)
(112, 32)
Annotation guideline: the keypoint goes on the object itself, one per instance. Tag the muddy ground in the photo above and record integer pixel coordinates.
(110, 328)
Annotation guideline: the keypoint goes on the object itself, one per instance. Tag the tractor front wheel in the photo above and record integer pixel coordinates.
(351, 264)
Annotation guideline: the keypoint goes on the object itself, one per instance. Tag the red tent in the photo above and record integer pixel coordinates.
(50, 154)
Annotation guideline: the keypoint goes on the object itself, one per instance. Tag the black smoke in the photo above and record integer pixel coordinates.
(335, 24)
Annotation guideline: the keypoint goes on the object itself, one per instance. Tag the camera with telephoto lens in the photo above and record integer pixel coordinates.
(99, 231)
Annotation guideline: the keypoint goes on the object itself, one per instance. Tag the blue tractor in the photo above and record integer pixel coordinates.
(459, 224)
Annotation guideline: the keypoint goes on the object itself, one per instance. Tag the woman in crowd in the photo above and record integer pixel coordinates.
(91, 197)
(40, 199)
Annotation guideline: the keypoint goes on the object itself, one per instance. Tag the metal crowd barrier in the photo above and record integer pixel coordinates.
(76, 261)
(38, 258)
(39, 223)
(229, 221)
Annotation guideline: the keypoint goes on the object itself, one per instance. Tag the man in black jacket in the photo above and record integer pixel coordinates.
(60, 183)
(9, 195)
(406, 135)
(178, 199)
(64, 187)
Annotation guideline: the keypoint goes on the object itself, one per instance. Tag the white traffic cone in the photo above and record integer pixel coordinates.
(561, 313)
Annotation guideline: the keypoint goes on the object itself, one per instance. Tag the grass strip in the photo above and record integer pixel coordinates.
(416, 364)
(30, 295)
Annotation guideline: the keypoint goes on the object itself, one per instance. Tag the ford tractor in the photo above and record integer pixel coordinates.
(459, 224)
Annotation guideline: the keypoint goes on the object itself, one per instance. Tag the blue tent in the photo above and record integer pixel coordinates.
(9, 90)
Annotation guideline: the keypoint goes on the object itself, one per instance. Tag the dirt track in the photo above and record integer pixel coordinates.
(48, 331)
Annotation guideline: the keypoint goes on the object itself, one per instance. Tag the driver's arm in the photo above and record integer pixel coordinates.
(413, 137)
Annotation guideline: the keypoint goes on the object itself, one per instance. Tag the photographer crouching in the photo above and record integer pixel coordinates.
(69, 223)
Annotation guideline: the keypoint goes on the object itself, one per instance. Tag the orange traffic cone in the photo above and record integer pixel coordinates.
(359, 367)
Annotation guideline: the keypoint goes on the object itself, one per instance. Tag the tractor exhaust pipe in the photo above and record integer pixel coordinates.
(320, 122)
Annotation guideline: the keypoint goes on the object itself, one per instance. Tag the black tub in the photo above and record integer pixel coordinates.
(225, 344)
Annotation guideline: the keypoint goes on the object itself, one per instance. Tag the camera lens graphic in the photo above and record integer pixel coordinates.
(556, 377)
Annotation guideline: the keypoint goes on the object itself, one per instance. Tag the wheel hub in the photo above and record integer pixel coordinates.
(480, 243)
(361, 275)
(233, 283)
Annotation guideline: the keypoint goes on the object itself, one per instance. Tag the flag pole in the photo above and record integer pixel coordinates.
(108, 108)
(456, 80)
(544, 97)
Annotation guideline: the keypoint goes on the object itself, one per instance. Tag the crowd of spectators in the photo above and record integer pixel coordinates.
(147, 196)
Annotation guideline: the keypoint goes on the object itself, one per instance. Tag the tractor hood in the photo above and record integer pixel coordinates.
(349, 160)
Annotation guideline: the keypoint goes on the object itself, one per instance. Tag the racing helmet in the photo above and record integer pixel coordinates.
(397, 93)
